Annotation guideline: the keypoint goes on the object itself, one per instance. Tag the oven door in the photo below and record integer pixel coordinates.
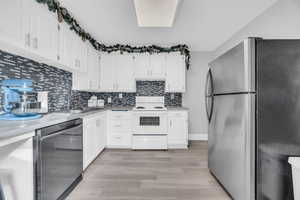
(153, 123)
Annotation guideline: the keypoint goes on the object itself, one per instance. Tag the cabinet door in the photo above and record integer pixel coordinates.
(78, 50)
(107, 73)
(175, 73)
(80, 81)
(91, 140)
(65, 45)
(98, 122)
(93, 68)
(45, 35)
(103, 132)
(16, 170)
(141, 66)
(177, 129)
(30, 25)
(11, 23)
(124, 76)
(157, 66)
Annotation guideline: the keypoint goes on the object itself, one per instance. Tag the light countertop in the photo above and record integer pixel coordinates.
(11, 129)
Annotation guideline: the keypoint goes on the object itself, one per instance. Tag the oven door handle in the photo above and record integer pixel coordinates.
(60, 132)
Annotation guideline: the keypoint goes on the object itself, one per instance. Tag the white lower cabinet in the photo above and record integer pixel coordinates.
(94, 137)
(177, 129)
(16, 170)
(119, 129)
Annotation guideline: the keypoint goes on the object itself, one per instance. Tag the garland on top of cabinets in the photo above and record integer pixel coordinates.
(64, 15)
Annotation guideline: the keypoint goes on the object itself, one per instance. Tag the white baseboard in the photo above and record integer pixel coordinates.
(198, 136)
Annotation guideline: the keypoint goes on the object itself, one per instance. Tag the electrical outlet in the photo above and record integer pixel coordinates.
(172, 96)
(109, 100)
(120, 96)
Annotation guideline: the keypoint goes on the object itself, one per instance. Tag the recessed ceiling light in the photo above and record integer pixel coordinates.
(155, 13)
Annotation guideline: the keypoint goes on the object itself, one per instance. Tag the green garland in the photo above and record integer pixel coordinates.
(64, 15)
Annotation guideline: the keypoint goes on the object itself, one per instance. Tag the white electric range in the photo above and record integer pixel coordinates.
(150, 130)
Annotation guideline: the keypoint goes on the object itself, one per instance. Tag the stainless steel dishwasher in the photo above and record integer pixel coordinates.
(58, 159)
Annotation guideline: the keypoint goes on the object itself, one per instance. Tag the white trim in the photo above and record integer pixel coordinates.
(198, 136)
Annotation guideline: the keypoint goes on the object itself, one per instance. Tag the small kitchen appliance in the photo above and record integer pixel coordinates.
(150, 123)
(19, 100)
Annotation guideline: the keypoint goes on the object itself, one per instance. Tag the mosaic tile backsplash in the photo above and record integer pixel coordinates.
(45, 78)
(59, 84)
(144, 88)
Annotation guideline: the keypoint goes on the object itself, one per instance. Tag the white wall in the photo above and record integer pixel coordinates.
(194, 96)
(282, 20)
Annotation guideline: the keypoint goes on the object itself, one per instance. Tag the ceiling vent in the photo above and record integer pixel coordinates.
(156, 13)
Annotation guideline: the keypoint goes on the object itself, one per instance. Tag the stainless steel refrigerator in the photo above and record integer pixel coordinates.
(253, 108)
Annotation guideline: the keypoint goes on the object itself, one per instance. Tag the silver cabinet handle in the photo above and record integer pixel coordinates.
(77, 63)
(171, 123)
(35, 43)
(27, 40)
(98, 123)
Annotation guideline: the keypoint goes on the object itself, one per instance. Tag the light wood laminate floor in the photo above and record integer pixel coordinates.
(150, 175)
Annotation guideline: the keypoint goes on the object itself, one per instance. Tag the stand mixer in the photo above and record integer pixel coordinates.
(19, 100)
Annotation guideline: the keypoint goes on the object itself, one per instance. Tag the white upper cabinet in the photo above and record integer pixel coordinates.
(45, 40)
(93, 68)
(11, 23)
(40, 30)
(106, 72)
(88, 81)
(175, 73)
(141, 66)
(64, 45)
(117, 73)
(78, 53)
(150, 67)
(157, 67)
(124, 73)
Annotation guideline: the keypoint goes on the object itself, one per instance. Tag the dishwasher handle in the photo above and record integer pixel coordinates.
(60, 132)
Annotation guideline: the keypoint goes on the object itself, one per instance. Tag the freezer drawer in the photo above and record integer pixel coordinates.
(232, 145)
(234, 71)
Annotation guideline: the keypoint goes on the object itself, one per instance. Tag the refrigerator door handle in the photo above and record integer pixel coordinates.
(209, 94)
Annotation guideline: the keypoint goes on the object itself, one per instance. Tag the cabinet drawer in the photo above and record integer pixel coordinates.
(149, 142)
(120, 116)
(177, 114)
(120, 140)
(120, 126)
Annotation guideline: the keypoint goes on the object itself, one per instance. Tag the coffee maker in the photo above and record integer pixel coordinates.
(19, 100)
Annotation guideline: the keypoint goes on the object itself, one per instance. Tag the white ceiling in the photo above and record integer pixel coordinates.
(201, 24)
(155, 13)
